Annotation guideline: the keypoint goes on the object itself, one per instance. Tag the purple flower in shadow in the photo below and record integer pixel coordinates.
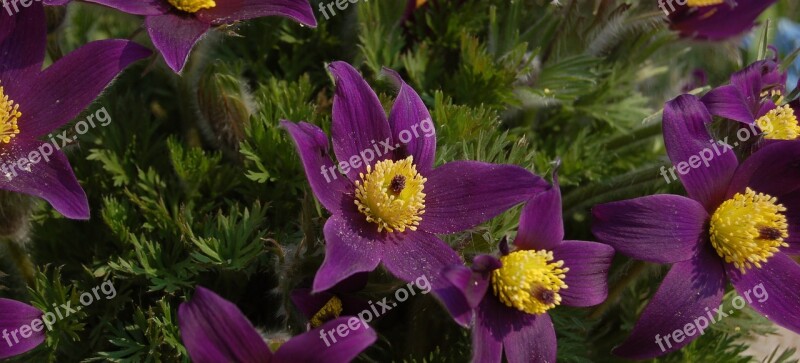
(512, 294)
(392, 201)
(13, 316)
(175, 26)
(739, 223)
(215, 330)
(713, 20)
(34, 103)
(327, 305)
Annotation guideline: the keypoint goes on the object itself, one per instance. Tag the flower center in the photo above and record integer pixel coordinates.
(702, 3)
(529, 281)
(779, 124)
(331, 310)
(390, 195)
(748, 229)
(192, 6)
(9, 114)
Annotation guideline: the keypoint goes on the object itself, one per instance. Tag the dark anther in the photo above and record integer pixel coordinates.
(769, 233)
(398, 184)
(546, 296)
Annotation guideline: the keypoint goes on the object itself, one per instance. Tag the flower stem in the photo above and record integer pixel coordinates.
(22, 261)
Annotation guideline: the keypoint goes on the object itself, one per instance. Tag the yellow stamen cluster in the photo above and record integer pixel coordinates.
(9, 114)
(779, 124)
(331, 310)
(192, 6)
(529, 281)
(390, 195)
(748, 229)
(701, 3)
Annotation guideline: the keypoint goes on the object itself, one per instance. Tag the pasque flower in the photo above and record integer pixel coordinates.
(321, 307)
(215, 330)
(392, 201)
(513, 294)
(739, 223)
(15, 315)
(175, 26)
(34, 103)
(713, 19)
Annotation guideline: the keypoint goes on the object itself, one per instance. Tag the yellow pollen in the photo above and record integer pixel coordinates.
(702, 3)
(529, 281)
(331, 310)
(390, 195)
(779, 124)
(9, 114)
(192, 6)
(748, 229)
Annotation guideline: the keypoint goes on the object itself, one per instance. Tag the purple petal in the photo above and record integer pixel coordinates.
(774, 169)
(421, 258)
(23, 37)
(410, 120)
(660, 228)
(67, 87)
(681, 304)
(463, 194)
(228, 11)
(51, 178)
(773, 290)
(758, 77)
(729, 102)
(541, 226)
(487, 343)
(174, 35)
(533, 343)
(687, 141)
(215, 330)
(318, 345)
(588, 264)
(309, 303)
(792, 204)
(718, 22)
(13, 316)
(349, 249)
(327, 184)
(55, 2)
(359, 122)
(138, 7)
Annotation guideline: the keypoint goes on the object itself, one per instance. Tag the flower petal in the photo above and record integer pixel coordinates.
(525, 337)
(13, 315)
(587, 278)
(774, 169)
(138, 7)
(327, 184)
(359, 122)
(683, 299)
(462, 194)
(687, 140)
(326, 344)
(215, 330)
(228, 11)
(174, 35)
(534, 343)
(718, 22)
(728, 102)
(309, 303)
(792, 204)
(67, 87)
(473, 283)
(541, 226)
(487, 344)
(773, 290)
(23, 37)
(349, 249)
(410, 120)
(660, 228)
(419, 257)
(51, 178)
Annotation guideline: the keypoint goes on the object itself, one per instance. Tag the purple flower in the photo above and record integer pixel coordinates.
(739, 223)
(543, 272)
(327, 305)
(713, 19)
(17, 318)
(215, 330)
(175, 26)
(755, 96)
(34, 103)
(392, 201)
